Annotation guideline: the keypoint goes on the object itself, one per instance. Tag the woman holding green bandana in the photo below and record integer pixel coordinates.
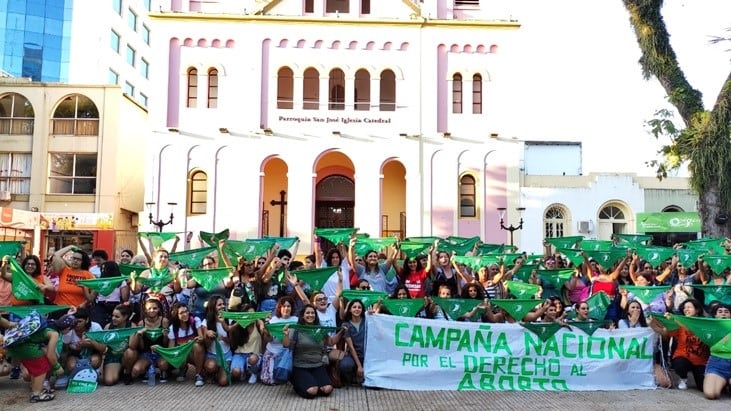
(141, 353)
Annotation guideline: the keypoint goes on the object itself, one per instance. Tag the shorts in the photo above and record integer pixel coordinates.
(37, 366)
(241, 361)
(112, 359)
(227, 356)
(151, 357)
(719, 366)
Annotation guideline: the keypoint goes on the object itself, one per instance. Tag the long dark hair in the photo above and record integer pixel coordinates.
(109, 269)
(642, 320)
(125, 310)
(348, 315)
(301, 319)
(237, 334)
(175, 319)
(35, 259)
(211, 314)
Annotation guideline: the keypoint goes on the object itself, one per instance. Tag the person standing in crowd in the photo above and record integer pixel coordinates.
(68, 262)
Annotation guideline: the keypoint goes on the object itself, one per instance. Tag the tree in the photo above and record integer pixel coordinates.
(704, 142)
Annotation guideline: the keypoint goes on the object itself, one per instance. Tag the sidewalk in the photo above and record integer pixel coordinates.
(14, 396)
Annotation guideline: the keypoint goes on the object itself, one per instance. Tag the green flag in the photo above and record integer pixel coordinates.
(335, 235)
(131, 270)
(516, 308)
(718, 263)
(598, 305)
(316, 278)
(11, 248)
(565, 242)
(457, 307)
(424, 240)
(210, 278)
(363, 245)
(669, 324)
(708, 330)
(542, 330)
(596, 245)
(707, 244)
(475, 263)
(317, 332)
(156, 284)
(634, 239)
(158, 238)
(522, 290)
(688, 256)
(366, 296)
(275, 329)
(462, 245)
(646, 294)
(655, 255)
(104, 286)
(244, 319)
(404, 307)
(212, 239)
(24, 310)
(285, 243)
(24, 288)
(178, 355)
(116, 339)
(413, 249)
(192, 258)
(556, 277)
(589, 326)
(249, 249)
(716, 292)
(221, 360)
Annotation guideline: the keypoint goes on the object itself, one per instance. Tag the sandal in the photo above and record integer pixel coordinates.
(42, 397)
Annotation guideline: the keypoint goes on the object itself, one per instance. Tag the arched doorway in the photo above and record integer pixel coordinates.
(273, 212)
(614, 218)
(393, 199)
(334, 202)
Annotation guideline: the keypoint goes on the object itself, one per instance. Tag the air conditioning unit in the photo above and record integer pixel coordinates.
(5, 196)
(583, 227)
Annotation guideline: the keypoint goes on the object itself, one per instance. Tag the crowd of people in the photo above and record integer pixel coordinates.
(165, 304)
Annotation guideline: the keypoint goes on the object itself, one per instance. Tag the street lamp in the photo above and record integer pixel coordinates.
(159, 223)
(511, 228)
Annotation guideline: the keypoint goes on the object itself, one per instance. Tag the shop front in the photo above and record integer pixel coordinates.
(89, 231)
(668, 228)
(20, 225)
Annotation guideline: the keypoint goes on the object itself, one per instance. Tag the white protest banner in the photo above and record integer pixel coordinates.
(413, 353)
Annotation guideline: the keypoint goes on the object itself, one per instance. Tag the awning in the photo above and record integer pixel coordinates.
(668, 222)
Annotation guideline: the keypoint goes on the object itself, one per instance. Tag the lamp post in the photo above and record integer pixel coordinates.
(511, 228)
(160, 223)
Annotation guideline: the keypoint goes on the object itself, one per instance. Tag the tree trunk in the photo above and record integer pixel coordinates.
(712, 213)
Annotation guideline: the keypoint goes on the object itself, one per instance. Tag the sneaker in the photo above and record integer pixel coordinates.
(253, 379)
(163, 376)
(15, 373)
(199, 380)
(683, 384)
(127, 378)
(62, 381)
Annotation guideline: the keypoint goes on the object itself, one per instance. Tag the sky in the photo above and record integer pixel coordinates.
(574, 75)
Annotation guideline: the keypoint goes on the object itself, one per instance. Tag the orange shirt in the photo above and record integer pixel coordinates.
(68, 292)
(40, 280)
(690, 347)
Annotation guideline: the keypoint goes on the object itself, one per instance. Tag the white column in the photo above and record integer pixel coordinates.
(368, 199)
(324, 91)
(300, 204)
(375, 93)
(349, 93)
(297, 92)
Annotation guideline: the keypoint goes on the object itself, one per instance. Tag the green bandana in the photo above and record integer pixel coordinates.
(544, 331)
(24, 288)
(669, 324)
(708, 330)
(516, 308)
(634, 239)
(178, 355)
(156, 284)
(131, 270)
(104, 286)
(249, 249)
(404, 307)
(153, 333)
(192, 258)
(457, 307)
(598, 305)
(221, 361)
(413, 249)
(363, 245)
(116, 339)
(367, 297)
(655, 255)
(244, 319)
(210, 278)
(317, 277)
(212, 239)
(645, 294)
(285, 243)
(565, 242)
(275, 329)
(317, 332)
(24, 310)
(522, 290)
(718, 263)
(589, 326)
(158, 238)
(335, 235)
(713, 292)
(10, 248)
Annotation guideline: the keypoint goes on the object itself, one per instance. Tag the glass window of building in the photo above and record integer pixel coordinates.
(146, 34)
(192, 88)
(143, 99)
(117, 5)
(113, 77)
(16, 115)
(467, 197)
(147, 4)
(129, 89)
(72, 173)
(132, 20)
(15, 172)
(197, 192)
(144, 68)
(76, 115)
(115, 41)
(212, 88)
(131, 55)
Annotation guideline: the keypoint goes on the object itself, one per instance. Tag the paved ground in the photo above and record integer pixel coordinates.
(14, 396)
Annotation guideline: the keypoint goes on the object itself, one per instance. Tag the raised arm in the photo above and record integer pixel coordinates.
(351, 252)
(465, 276)
(57, 261)
(668, 270)
(146, 250)
(222, 253)
(317, 250)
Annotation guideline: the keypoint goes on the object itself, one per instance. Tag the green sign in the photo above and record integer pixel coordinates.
(669, 222)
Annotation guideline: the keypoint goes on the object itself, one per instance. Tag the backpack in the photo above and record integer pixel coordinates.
(29, 325)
